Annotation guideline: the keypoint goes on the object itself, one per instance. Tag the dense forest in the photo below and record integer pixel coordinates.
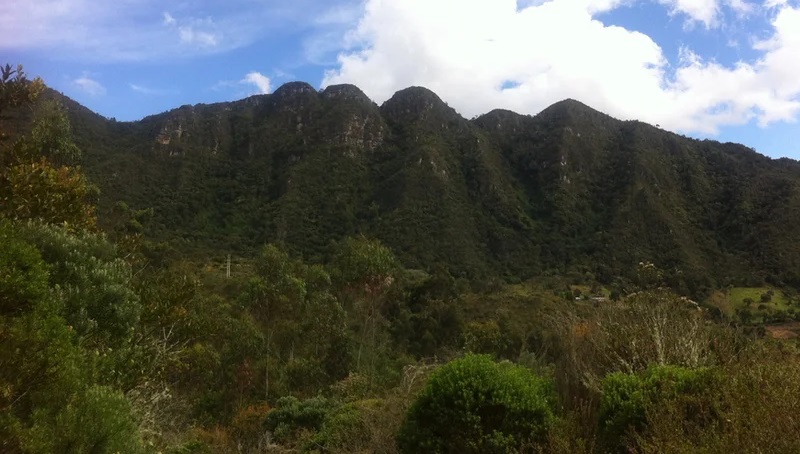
(309, 272)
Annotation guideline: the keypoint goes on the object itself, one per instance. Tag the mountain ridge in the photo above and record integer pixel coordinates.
(569, 190)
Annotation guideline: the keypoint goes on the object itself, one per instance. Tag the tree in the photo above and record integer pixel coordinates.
(36, 178)
(65, 297)
(16, 90)
(93, 283)
(474, 405)
(364, 270)
(63, 306)
(304, 323)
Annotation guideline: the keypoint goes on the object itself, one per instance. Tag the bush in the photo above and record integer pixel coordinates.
(645, 328)
(347, 429)
(293, 416)
(628, 399)
(473, 404)
(23, 274)
(98, 421)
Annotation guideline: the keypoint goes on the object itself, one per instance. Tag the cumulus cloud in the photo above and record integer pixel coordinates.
(480, 55)
(260, 81)
(89, 86)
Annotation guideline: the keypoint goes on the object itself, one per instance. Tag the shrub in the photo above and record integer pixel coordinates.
(473, 404)
(347, 429)
(628, 399)
(645, 328)
(293, 415)
(23, 274)
(100, 420)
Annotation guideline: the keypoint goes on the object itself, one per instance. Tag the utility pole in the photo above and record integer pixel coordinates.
(228, 271)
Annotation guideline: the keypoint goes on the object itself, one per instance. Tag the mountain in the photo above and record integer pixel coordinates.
(568, 191)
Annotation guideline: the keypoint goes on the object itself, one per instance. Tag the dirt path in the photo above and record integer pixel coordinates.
(788, 330)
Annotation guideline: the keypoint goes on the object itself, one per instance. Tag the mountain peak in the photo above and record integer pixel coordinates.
(292, 88)
(345, 92)
(415, 98)
(569, 112)
(501, 119)
(291, 93)
(569, 105)
(417, 103)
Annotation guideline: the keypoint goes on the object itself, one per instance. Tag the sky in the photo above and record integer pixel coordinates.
(727, 70)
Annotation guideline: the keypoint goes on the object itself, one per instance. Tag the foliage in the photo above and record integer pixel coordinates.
(98, 420)
(16, 90)
(94, 284)
(503, 196)
(303, 320)
(473, 404)
(485, 338)
(35, 180)
(291, 415)
(628, 400)
(23, 279)
(365, 272)
(647, 328)
(51, 397)
(391, 236)
(37, 190)
(66, 297)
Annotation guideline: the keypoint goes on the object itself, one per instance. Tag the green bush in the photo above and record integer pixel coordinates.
(23, 274)
(474, 404)
(628, 400)
(99, 420)
(93, 283)
(293, 415)
(346, 428)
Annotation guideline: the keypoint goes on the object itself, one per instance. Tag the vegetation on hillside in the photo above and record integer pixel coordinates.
(568, 192)
(278, 281)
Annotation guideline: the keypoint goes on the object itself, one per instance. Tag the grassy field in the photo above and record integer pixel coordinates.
(736, 298)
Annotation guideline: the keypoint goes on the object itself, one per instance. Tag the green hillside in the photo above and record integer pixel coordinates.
(570, 190)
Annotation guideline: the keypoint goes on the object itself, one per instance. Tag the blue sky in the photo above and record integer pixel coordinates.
(722, 69)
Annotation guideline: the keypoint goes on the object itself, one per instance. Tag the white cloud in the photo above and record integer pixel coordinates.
(189, 35)
(469, 50)
(704, 11)
(261, 82)
(708, 12)
(775, 3)
(343, 14)
(145, 90)
(168, 19)
(741, 7)
(252, 80)
(89, 86)
(199, 32)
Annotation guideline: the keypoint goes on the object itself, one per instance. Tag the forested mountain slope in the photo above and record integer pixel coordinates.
(568, 190)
